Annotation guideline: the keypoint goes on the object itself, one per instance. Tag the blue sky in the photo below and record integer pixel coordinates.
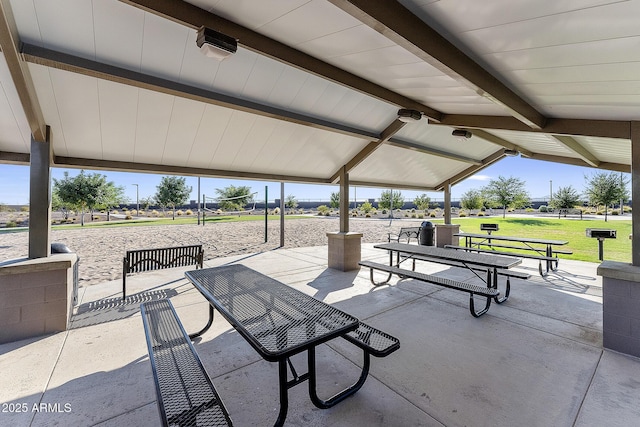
(14, 182)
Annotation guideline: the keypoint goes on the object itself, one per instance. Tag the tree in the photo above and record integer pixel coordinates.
(605, 188)
(291, 202)
(146, 202)
(565, 198)
(234, 198)
(334, 201)
(85, 191)
(172, 191)
(507, 192)
(386, 202)
(471, 200)
(422, 202)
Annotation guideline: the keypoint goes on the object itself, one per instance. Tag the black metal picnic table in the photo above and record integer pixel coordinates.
(545, 253)
(492, 263)
(277, 321)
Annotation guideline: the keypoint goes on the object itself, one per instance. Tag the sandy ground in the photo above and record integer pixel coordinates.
(101, 249)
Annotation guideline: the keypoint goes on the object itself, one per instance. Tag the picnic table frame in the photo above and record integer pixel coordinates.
(492, 263)
(278, 322)
(544, 254)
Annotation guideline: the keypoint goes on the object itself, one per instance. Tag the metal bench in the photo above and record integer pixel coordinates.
(141, 260)
(405, 232)
(186, 395)
(488, 293)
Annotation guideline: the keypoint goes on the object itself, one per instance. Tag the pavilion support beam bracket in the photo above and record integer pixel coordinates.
(194, 17)
(487, 161)
(399, 25)
(489, 137)
(10, 41)
(386, 134)
(577, 148)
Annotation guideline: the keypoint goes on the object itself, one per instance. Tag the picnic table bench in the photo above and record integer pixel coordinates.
(488, 292)
(140, 260)
(484, 243)
(279, 322)
(185, 394)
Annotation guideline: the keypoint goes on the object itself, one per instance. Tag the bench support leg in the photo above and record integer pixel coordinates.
(313, 393)
(475, 313)
(206, 327)
(378, 283)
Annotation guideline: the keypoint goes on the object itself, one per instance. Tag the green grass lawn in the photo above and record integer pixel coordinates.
(574, 231)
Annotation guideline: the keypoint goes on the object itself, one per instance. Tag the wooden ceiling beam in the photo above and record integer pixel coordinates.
(401, 26)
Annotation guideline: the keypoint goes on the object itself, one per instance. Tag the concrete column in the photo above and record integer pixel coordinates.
(635, 193)
(344, 246)
(447, 203)
(40, 198)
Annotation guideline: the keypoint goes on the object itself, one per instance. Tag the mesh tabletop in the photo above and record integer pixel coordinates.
(276, 319)
(512, 238)
(485, 260)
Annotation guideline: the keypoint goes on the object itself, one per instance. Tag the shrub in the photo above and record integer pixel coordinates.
(543, 208)
(413, 215)
(24, 209)
(327, 214)
(420, 216)
(432, 214)
(367, 215)
(179, 212)
(276, 211)
(11, 224)
(529, 210)
(155, 213)
(480, 213)
(128, 217)
(366, 207)
(189, 212)
(462, 214)
(114, 212)
(615, 212)
(323, 210)
(384, 211)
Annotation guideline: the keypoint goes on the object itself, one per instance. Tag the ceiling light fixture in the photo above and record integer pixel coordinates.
(214, 44)
(461, 134)
(407, 116)
(511, 152)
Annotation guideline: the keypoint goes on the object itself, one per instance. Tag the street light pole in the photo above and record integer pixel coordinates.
(137, 201)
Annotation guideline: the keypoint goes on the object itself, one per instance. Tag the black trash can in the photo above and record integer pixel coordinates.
(427, 233)
(61, 248)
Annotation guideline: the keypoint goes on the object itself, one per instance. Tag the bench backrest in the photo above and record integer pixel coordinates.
(155, 259)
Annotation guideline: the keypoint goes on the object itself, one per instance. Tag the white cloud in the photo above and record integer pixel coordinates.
(480, 177)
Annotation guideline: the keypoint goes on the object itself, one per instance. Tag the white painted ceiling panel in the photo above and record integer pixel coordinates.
(15, 135)
(353, 40)
(186, 115)
(607, 149)
(263, 78)
(118, 116)
(78, 106)
(210, 132)
(118, 33)
(65, 25)
(536, 142)
(48, 104)
(234, 137)
(154, 115)
(252, 14)
(163, 47)
(312, 20)
(394, 165)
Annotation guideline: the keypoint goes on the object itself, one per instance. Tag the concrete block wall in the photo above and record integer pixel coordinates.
(620, 307)
(36, 296)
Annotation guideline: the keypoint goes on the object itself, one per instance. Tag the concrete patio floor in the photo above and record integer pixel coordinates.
(536, 360)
